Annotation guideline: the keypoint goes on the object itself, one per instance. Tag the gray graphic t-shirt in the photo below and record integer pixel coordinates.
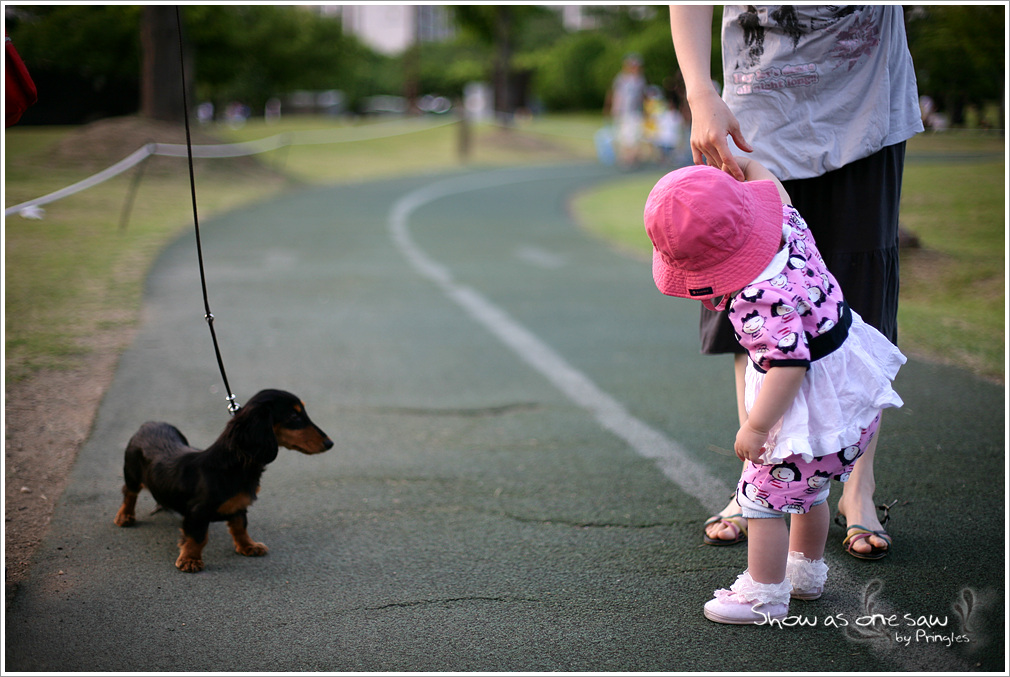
(816, 87)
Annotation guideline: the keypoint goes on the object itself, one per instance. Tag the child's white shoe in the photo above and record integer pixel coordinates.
(807, 576)
(748, 602)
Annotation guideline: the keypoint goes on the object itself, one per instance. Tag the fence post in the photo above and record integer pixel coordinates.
(131, 194)
(464, 132)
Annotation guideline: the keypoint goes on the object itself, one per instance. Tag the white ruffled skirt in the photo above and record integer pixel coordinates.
(842, 393)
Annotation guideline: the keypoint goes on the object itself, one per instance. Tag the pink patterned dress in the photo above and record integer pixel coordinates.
(794, 314)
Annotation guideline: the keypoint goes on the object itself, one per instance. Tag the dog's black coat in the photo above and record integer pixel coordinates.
(220, 482)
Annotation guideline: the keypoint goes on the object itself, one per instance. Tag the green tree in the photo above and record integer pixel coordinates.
(500, 26)
(97, 41)
(89, 56)
(251, 53)
(84, 59)
(575, 73)
(446, 68)
(958, 51)
(239, 52)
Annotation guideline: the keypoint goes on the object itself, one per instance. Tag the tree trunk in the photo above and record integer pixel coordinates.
(161, 85)
(503, 62)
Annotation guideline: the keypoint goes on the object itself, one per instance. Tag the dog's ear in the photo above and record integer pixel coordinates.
(252, 435)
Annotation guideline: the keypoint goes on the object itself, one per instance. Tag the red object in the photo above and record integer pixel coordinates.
(20, 92)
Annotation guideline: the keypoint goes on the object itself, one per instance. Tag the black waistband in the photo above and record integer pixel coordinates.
(831, 340)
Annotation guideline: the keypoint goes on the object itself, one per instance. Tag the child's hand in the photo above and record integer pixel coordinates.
(743, 163)
(755, 171)
(750, 444)
(778, 392)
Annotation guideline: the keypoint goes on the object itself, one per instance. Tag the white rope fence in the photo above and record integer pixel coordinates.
(32, 208)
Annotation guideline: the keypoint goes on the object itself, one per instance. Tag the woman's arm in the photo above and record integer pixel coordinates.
(711, 119)
(778, 390)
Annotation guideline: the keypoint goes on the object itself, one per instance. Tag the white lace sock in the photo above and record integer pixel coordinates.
(807, 576)
(748, 591)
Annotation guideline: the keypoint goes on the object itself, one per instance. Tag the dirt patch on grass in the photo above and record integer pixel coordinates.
(47, 418)
(520, 141)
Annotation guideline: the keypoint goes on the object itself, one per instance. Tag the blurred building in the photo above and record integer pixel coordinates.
(576, 18)
(390, 29)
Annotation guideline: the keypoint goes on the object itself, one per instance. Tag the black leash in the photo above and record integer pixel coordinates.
(233, 406)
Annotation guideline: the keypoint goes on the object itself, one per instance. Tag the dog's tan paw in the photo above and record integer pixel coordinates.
(126, 515)
(188, 565)
(252, 549)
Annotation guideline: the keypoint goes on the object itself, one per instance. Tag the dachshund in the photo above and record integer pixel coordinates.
(221, 482)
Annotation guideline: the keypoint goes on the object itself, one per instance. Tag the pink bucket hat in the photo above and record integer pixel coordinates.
(711, 234)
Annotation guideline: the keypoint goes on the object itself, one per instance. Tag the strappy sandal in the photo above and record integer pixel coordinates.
(857, 532)
(736, 521)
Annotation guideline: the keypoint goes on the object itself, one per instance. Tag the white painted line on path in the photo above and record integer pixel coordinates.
(541, 258)
(689, 475)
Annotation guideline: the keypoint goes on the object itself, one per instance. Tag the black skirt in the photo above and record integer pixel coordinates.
(853, 215)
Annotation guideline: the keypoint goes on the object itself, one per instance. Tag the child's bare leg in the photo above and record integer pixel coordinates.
(767, 549)
(806, 568)
(809, 532)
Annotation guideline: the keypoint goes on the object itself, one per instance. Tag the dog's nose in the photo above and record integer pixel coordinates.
(328, 444)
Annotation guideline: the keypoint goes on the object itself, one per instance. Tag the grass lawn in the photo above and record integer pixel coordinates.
(953, 297)
(412, 148)
(76, 276)
(952, 306)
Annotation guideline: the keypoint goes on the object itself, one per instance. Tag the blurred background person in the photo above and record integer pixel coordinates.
(626, 104)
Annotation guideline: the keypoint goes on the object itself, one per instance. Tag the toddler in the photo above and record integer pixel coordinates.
(817, 377)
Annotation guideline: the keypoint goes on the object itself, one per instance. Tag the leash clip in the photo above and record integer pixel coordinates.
(233, 406)
(210, 319)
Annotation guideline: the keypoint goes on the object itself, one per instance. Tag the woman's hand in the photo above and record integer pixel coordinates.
(711, 122)
(711, 119)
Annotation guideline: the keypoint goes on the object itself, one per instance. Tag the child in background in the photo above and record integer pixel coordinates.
(817, 377)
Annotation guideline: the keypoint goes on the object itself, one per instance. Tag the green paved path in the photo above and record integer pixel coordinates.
(524, 458)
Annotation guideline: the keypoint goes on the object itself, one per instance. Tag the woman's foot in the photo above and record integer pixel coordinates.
(865, 537)
(729, 527)
(856, 535)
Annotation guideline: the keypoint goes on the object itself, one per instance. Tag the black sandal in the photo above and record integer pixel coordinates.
(858, 532)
